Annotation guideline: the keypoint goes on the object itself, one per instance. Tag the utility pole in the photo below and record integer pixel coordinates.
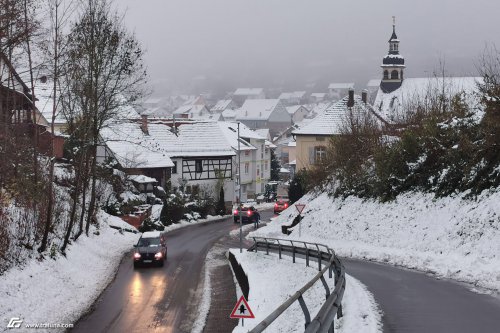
(239, 190)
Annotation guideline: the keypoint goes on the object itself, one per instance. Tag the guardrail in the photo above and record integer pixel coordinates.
(327, 261)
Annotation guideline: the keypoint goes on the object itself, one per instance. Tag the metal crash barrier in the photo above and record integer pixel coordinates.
(326, 260)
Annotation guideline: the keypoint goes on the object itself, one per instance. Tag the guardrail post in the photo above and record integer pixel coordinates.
(305, 310)
(307, 257)
(279, 248)
(327, 289)
(267, 247)
(339, 312)
(319, 258)
(293, 252)
(332, 327)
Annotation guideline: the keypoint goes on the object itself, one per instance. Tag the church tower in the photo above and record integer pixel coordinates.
(393, 64)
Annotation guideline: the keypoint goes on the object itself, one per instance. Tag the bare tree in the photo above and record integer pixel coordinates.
(105, 73)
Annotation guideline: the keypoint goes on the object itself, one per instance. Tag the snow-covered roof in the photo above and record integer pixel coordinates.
(141, 179)
(195, 139)
(293, 109)
(318, 95)
(391, 105)
(294, 162)
(190, 108)
(257, 109)
(269, 144)
(221, 105)
(283, 170)
(333, 119)
(151, 234)
(132, 148)
(341, 86)
(248, 91)
(292, 144)
(230, 132)
(263, 132)
(290, 95)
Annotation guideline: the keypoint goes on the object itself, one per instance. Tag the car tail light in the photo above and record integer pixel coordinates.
(158, 255)
(137, 255)
(235, 212)
(275, 205)
(249, 213)
(286, 205)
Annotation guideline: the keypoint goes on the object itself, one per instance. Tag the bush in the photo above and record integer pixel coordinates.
(298, 186)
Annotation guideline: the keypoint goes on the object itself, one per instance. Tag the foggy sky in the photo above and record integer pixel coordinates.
(291, 42)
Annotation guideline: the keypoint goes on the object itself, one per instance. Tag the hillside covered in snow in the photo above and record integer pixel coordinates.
(450, 237)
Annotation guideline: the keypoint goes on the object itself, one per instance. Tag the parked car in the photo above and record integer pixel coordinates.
(151, 249)
(282, 203)
(248, 214)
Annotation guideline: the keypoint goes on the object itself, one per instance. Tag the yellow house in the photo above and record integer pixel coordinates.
(313, 139)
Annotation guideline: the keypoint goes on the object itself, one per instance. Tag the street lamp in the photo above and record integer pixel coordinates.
(239, 190)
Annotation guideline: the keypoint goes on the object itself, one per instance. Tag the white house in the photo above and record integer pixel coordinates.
(317, 97)
(200, 154)
(255, 158)
(242, 94)
(193, 111)
(264, 113)
(395, 91)
(223, 105)
(297, 112)
(129, 143)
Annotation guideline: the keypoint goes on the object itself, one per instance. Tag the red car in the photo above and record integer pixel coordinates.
(282, 203)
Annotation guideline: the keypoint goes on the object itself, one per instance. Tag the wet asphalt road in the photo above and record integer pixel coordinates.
(154, 299)
(415, 302)
(165, 299)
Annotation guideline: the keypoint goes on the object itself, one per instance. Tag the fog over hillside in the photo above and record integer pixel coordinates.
(289, 43)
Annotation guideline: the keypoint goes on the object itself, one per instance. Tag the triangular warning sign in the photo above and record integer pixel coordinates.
(300, 207)
(242, 310)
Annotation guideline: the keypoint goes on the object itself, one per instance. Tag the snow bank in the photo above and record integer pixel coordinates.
(273, 280)
(451, 237)
(60, 290)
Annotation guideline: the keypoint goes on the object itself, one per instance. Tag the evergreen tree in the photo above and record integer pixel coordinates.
(221, 205)
(275, 167)
(297, 187)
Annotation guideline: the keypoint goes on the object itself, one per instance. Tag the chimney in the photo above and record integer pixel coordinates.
(144, 124)
(364, 96)
(350, 102)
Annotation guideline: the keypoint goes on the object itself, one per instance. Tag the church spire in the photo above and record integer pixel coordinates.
(393, 64)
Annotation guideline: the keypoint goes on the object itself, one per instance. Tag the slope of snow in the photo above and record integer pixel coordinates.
(60, 290)
(451, 237)
(273, 280)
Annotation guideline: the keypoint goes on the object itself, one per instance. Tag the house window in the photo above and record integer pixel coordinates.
(266, 165)
(198, 166)
(267, 151)
(247, 152)
(319, 154)
(174, 168)
(247, 168)
(261, 151)
(258, 172)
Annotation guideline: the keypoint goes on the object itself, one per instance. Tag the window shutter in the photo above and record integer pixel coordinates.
(311, 155)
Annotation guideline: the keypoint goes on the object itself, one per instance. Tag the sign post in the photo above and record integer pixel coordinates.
(300, 208)
(242, 310)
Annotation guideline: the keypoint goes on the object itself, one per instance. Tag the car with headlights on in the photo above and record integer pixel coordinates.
(248, 214)
(151, 249)
(282, 203)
